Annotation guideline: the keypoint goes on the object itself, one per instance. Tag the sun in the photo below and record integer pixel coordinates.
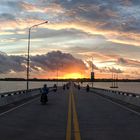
(73, 76)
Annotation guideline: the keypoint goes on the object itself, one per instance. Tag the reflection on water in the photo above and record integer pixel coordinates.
(133, 87)
(6, 86)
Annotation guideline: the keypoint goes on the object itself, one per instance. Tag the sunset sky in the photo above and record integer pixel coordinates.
(77, 32)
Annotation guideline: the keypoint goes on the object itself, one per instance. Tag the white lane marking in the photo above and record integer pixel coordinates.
(12, 109)
(122, 106)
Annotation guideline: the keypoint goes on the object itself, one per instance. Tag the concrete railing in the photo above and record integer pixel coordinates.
(15, 96)
(127, 97)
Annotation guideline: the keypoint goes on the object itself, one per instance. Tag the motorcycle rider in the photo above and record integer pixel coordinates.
(87, 88)
(44, 97)
(55, 87)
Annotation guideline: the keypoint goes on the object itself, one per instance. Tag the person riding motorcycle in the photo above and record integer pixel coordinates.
(79, 87)
(64, 86)
(55, 87)
(44, 97)
(87, 88)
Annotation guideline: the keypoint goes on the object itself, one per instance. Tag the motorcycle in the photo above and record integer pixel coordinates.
(55, 88)
(44, 99)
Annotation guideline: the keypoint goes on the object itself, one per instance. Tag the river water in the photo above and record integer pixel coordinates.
(133, 87)
(6, 86)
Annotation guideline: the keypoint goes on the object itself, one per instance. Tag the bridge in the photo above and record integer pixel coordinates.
(70, 114)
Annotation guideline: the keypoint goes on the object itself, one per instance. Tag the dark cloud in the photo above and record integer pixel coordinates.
(122, 61)
(14, 5)
(128, 62)
(90, 63)
(6, 17)
(122, 15)
(55, 60)
(17, 10)
(11, 63)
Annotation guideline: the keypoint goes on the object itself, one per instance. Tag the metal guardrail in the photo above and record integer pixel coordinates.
(18, 92)
(127, 97)
(14, 96)
(12, 93)
(124, 93)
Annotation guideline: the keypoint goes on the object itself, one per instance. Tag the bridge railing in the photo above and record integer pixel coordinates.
(18, 92)
(14, 96)
(132, 98)
(120, 92)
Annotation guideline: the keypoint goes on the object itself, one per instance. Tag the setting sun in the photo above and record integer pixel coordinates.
(73, 76)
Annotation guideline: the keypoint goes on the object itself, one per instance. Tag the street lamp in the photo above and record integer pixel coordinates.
(92, 73)
(28, 57)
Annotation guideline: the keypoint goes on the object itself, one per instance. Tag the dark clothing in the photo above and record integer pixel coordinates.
(64, 87)
(44, 97)
(79, 87)
(87, 88)
(45, 90)
(55, 87)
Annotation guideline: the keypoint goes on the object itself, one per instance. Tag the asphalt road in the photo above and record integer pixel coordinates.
(34, 121)
(70, 115)
(100, 119)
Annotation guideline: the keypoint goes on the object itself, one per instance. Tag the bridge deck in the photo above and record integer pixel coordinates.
(70, 115)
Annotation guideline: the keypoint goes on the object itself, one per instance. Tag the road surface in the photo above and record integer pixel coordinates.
(70, 115)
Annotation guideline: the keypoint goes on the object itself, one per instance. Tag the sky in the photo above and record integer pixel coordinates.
(79, 34)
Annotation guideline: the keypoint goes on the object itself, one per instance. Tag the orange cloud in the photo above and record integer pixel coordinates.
(30, 7)
(54, 8)
(51, 8)
(92, 28)
(115, 36)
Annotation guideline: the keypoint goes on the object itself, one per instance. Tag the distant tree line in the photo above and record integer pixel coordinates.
(74, 80)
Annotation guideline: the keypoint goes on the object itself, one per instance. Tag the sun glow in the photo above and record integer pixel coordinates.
(73, 76)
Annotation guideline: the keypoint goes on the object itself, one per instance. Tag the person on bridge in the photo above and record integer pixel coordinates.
(67, 85)
(44, 97)
(87, 88)
(78, 86)
(55, 87)
(64, 86)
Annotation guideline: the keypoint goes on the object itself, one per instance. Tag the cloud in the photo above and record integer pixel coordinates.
(7, 17)
(99, 27)
(56, 60)
(129, 62)
(30, 7)
(111, 69)
(53, 61)
(11, 63)
(91, 64)
(54, 9)
(105, 18)
(50, 63)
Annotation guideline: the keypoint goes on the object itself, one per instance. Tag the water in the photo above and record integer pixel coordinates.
(133, 87)
(6, 86)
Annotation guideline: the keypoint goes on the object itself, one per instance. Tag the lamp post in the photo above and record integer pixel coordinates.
(62, 73)
(57, 74)
(92, 73)
(28, 56)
